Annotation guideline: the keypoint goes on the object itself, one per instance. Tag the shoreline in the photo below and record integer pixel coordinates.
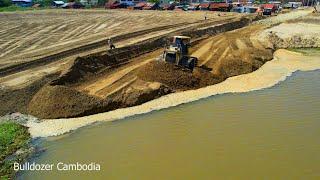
(271, 73)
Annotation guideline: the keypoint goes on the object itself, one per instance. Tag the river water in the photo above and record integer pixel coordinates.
(265, 134)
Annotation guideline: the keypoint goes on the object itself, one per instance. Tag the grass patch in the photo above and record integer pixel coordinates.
(18, 8)
(12, 138)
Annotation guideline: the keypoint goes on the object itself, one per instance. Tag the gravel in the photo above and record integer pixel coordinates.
(18, 118)
(280, 18)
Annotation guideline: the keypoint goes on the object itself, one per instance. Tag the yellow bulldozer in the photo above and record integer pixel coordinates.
(177, 53)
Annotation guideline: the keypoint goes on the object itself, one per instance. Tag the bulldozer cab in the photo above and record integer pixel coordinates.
(181, 42)
(177, 53)
(181, 39)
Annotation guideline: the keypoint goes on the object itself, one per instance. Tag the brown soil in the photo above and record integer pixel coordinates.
(107, 81)
(129, 75)
(176, 77)
(58, 40)
(17, 100)
(57, 101)
(61, 101)
(233, 53)
(140, 92)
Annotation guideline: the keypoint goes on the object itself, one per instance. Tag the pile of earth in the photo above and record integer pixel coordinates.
(61, 101)
(57, 101)
(175, 77)
(154, 80)
(17, 99)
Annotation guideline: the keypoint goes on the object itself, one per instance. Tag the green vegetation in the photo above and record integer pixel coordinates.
(5, 3)
(7, 6)
(14, 8)
(154, 1)
(12, 138)
(43, 2)
(102, 2)
(18, 8)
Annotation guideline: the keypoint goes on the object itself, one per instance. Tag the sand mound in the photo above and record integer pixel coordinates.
(176, 77)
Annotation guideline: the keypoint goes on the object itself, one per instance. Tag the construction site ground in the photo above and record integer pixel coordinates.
(141, 78)
(30, 36)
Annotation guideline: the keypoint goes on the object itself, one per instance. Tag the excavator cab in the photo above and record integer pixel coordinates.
(177, 53)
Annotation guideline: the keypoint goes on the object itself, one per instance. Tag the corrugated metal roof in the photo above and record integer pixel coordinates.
(204, 5)
(219, 5)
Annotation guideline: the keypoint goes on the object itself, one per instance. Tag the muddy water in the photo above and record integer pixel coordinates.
(266, 134)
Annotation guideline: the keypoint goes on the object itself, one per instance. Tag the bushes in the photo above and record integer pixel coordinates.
(43, 2)
(14, 8)
(12, 138)
(5, 3)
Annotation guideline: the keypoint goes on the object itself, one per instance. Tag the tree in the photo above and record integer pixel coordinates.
(5, 3)
(101, 2)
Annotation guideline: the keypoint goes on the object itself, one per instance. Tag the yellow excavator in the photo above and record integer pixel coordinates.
(177, 53)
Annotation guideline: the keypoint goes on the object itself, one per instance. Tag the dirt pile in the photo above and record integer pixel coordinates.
(133, 83)
(243, 62)
(94, 63)
(176, 77)
(141, 92)
(17, 100)
(61, 101)
(153, 80)
(106, 81)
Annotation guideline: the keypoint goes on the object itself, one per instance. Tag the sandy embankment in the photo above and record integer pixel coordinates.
(283, 65)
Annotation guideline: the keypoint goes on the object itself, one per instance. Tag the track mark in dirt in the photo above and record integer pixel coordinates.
(112, 90)
(202, 50)
(218, 62)
(240, 44)
(104, 82)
